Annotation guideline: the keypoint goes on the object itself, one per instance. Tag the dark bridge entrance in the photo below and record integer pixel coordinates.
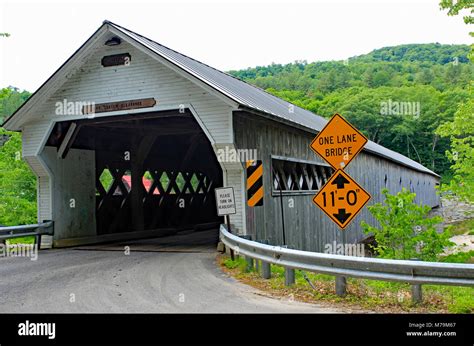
(154, 171)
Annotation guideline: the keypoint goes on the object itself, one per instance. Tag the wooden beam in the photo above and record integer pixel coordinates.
(152, 130)
(141, 116)
(145, 146)
(140, 149)
(193, 145)
(68, 140)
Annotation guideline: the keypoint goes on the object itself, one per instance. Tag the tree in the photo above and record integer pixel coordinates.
(404, 229)
(461, 133)
(454, 7)
(17, 184)
(11, 99)
(461, 130)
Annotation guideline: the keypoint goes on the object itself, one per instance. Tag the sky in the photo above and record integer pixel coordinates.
(224, 34)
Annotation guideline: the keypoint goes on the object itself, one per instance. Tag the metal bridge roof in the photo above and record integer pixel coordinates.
(255, 98)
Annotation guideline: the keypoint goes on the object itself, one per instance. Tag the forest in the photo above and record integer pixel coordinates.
(398, 96)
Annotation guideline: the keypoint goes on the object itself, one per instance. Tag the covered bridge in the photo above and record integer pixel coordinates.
(129, 138)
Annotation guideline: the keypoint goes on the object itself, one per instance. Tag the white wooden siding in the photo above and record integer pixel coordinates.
(234, 179)
(44, 199)
(33, 136)
(144, 77)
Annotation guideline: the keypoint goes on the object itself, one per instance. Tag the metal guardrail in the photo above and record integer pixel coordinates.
(36, 230)
(413, 272)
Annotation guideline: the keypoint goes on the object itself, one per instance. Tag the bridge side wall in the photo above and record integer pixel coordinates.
(306, 226)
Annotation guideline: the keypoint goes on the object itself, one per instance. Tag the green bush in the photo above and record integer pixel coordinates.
(404, 229)
(17, 184)
(460, 257)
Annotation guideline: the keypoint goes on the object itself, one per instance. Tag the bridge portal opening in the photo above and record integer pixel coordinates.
(153, 171)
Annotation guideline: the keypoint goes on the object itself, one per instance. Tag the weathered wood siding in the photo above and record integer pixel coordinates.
(306, 226)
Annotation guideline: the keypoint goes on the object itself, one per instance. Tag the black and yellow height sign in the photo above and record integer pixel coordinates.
(341, 198)
(254, 183)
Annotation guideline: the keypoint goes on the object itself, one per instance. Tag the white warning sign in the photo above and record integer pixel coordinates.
(225, 201)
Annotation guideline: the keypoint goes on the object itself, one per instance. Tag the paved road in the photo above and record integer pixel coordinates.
(172, 274)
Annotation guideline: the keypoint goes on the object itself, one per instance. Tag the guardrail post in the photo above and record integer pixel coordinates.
(38, 241)
(266, 270)
(247, 258)
(249, 263)
(289, 276)
(416, 290)
(416, 294)
(341, 286)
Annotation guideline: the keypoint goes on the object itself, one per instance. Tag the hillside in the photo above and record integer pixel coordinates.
(432, 52)
(10, 99)
(397, 96)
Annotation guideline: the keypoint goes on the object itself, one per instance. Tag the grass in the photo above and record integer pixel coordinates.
(362, 295)
(459, 257)
(462, 227)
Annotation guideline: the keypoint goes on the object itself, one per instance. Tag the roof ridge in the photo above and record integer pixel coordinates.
(211, 67)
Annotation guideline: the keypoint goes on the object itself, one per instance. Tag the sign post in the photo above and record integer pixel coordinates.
(225, 202)
(341, 198)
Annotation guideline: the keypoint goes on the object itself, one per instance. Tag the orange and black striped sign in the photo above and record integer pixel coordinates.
(254, 183)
